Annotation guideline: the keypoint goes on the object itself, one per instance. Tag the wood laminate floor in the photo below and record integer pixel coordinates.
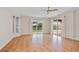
(44, 43)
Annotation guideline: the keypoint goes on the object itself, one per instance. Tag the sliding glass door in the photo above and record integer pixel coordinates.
(37, 25)
(57, 34)
(37, 28)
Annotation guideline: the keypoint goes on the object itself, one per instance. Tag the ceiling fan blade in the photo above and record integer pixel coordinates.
(52, 10)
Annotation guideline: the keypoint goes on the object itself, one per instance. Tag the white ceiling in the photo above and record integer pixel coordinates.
(35, 11)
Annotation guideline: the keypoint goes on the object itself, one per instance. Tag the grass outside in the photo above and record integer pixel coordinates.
(38, 29)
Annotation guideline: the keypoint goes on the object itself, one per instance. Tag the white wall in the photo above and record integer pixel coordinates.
(5, 27)
(76, 24)
(26, 25)
(68, 24)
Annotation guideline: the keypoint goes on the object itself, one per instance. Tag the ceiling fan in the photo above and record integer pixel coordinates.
(50, 10)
